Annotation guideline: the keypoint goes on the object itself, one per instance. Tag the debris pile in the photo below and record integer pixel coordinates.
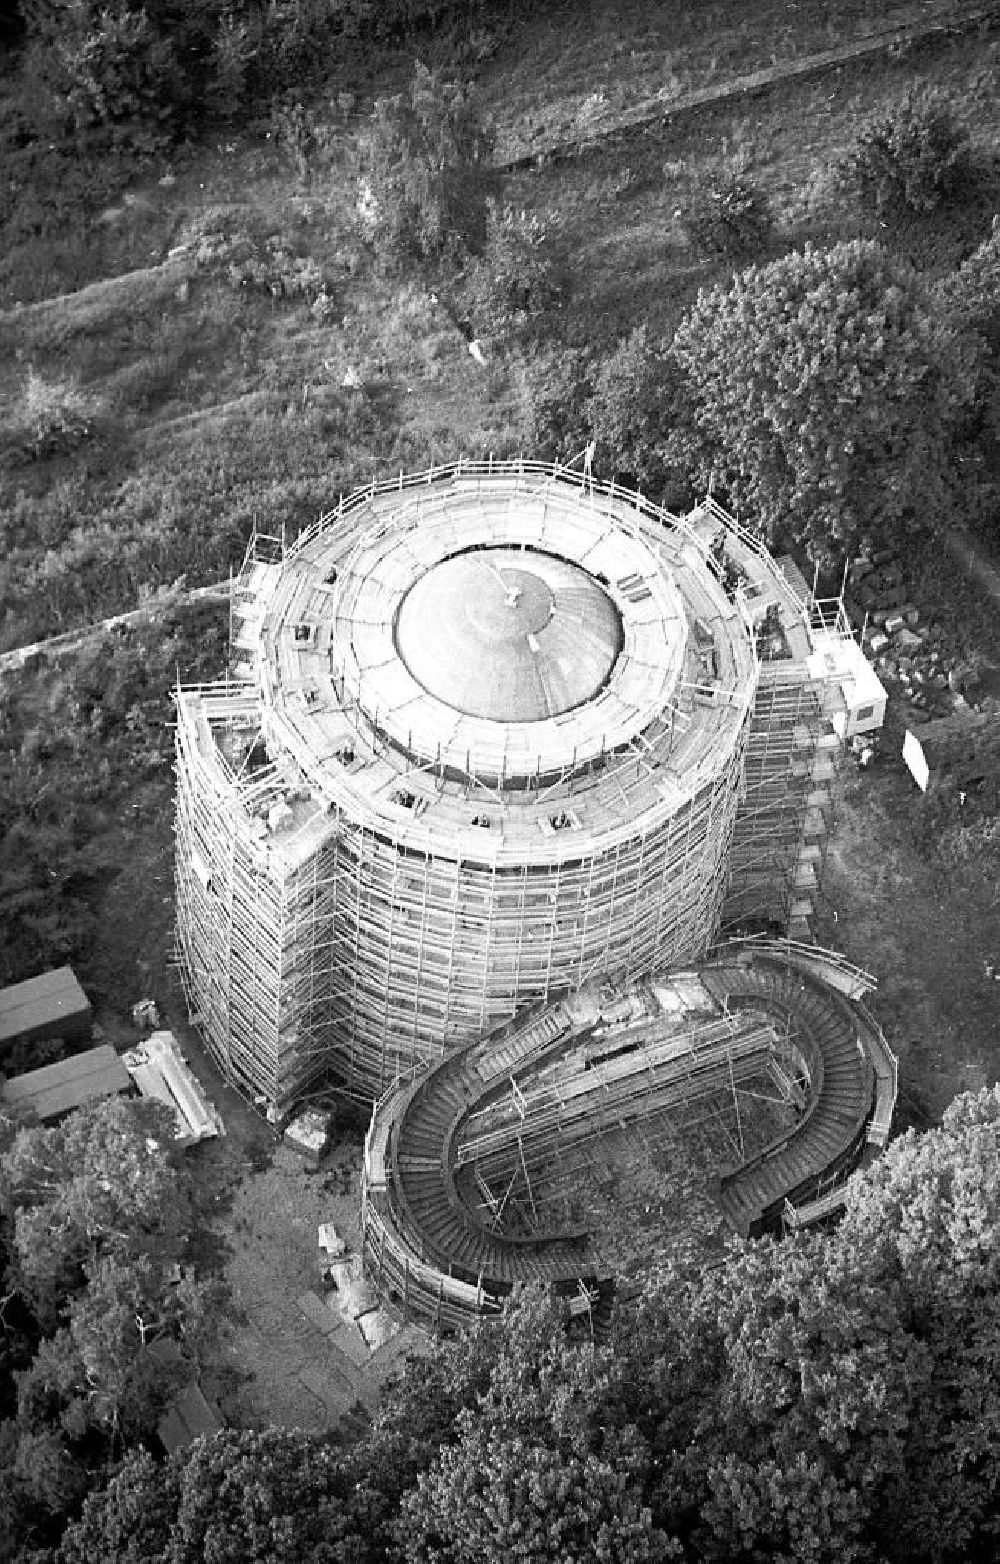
(912, 654)
(309, 1135)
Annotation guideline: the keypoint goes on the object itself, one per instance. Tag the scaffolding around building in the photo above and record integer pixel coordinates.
(479, 1176)
(371, 871)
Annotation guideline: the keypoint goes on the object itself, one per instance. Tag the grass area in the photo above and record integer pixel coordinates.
(86, 782)
(581, 64)
(914, 895)
(618, 212)
(208, 363)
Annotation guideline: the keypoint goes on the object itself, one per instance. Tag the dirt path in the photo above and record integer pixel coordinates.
(638, 117)
(290, 1359)
(19, 655)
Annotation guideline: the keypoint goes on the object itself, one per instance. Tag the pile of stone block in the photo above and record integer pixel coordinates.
(909, 655)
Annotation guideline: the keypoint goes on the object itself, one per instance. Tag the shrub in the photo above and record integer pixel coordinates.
(305, 137)
(268, 265)
(558, 386)
(913, 157)
(100, 65)
(57, 415)
(970, 296)
(969, 301)
(513, 282)
(631, 410)
(422, 191)
(233, 51)
(729, 215)
(823, 391)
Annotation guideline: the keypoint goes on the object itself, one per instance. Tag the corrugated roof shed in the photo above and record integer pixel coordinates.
(58, 1088)
(186, 1419)
(50, 1005)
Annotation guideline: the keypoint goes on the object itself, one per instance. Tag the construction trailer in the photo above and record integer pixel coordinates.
(491, 731)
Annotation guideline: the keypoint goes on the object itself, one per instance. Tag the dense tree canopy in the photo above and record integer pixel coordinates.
(102, 1324)
(826, 1398)
(821, 393)
(276, 1497)
(631, 411)
(135, 69)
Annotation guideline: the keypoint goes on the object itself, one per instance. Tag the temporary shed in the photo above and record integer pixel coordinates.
(50, 1005)
(59, 1088)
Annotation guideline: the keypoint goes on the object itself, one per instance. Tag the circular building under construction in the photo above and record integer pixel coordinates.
(487, 739)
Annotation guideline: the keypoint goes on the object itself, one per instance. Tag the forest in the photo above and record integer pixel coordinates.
(247, 250)
(827, 1398)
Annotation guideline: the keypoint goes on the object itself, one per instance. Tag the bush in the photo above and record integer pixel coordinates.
(233, 51)
(97, 66)
(631, 411)
(422, 192)
(913, 157)
(305, 137)
(57, 415)
(513, 282)
(823, 391)
(558, 386)
(729, 215)
(970, 296)
(268, 265)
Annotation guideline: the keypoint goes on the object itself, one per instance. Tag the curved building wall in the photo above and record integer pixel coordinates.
(371, 868)
(434, 949)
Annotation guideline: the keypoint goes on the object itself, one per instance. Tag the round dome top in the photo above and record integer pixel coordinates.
(509, 634)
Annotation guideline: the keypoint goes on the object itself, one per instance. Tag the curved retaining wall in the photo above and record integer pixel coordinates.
(436, 1260)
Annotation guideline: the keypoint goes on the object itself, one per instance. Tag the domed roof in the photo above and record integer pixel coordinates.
(509, 634)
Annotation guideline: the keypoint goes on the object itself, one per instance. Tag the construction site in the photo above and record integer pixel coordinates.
(513, 782)
(461, 1167)
(492, 732)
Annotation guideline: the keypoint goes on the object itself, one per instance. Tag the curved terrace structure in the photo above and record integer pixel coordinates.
(438, 1242)
(488, 740)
